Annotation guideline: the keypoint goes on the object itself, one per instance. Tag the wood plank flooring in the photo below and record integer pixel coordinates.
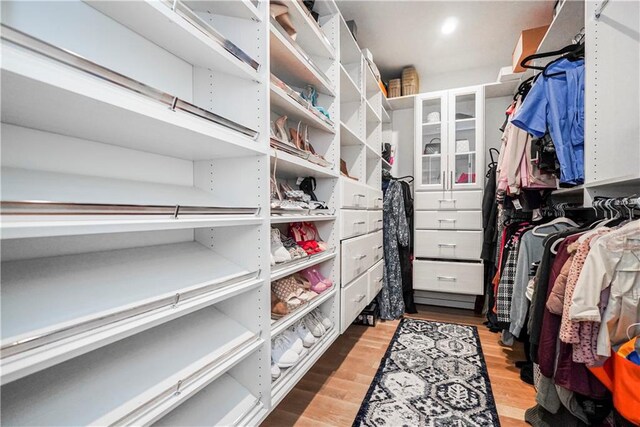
(330, 394)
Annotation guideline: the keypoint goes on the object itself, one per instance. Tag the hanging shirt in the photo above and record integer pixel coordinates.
(557, 103)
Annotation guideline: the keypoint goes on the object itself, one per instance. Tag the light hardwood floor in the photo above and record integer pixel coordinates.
(330, 394)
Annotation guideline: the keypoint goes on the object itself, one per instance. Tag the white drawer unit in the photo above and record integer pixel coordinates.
(376, 248)
(452, 277)
(376, 277)
(354, 223)
(464, 245)
(374, 198)
(354, 195)
(448, 220)
(451, 200)
(374, 221)
(356, 255)
(354, 300)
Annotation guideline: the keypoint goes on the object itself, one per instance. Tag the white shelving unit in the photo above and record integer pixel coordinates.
(130, 241)
(361, 135)
(310, 59)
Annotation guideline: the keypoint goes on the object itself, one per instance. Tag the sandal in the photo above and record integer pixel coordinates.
(305, 285)
(318, 282)
(278, 308)
(294, 249)
(287, 291)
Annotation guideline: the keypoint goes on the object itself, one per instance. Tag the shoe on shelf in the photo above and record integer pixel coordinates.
(294, 249)
(304, 333)
(282, 354)
(322, 318)
(307, 293)
(319, 283)
(315, 327)
(278, 307)
(344, 171)
(275, 371)
(280, 13)
(279, 252)
(287, 291)
(295, 342)
(280, 130)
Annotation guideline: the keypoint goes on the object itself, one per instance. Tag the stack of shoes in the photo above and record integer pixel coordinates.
(294, 249)
(289, 347)
(290, 293)
(284, 197)
(307, 236)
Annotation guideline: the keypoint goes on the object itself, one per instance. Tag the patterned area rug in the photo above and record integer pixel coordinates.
(433, 374)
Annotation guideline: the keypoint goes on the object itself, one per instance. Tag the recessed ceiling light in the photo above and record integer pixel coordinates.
(449, 26)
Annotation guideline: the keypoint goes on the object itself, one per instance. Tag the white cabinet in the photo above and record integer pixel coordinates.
(449, 177)
(449, 139)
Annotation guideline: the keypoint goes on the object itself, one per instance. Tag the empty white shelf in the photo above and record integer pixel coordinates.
(309, 34)
(59, 307)
(349, 90)
(348, 136)
(372, 115)
(156, 21)
(294, 67)
(47, 95)
(131, 380)
(284, 104)
(244, 9)
(23, 185)
(225, 402)
(349, 49)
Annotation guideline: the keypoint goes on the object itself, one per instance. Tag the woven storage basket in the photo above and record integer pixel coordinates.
(395, 88)
(410, 81)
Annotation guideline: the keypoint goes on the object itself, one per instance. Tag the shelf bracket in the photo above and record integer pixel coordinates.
(175, 213)
(601, 8)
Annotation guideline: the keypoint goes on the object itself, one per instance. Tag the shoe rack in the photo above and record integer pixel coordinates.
(304, 52)
(361, 113)
(135, 213)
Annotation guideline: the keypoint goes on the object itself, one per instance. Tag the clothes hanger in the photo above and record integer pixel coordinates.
(524, 62)
(559, 220)
(574, 55)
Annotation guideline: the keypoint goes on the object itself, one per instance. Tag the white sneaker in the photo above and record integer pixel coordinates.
(279, 252)
(275, 371)
(304, 334)
(282, 354)
(326, 322)
(295, 343)
(316, 328)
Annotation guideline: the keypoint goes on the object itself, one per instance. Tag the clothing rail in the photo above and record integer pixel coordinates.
(43, 48)
(27, 207)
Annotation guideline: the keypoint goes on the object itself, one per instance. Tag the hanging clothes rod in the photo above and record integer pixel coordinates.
(23, 40)
(601, 8)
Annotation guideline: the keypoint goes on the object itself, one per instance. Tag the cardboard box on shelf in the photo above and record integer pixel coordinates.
(527, 44)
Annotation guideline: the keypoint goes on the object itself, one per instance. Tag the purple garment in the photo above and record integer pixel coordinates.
(550, 321)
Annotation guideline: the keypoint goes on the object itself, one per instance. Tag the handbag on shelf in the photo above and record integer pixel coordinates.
(432, 147)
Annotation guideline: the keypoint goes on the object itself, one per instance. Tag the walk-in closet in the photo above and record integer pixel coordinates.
(320, 212)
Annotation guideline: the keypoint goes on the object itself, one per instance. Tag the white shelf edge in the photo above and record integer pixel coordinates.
(298, 265)
(290, 163)
(353, 85)
(352, 133)
(281, 219)
(281, 324)
(298, 10)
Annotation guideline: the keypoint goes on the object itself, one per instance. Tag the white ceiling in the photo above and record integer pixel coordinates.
(402, 33)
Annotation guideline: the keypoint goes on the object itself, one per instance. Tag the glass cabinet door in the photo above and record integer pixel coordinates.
(465, 151)
(431, 130)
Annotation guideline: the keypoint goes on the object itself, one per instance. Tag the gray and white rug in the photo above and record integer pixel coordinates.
(433, 374)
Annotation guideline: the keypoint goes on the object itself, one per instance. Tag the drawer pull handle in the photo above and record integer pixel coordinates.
(379, 198)
(359, 298)
(358, 223)
(359, 257)
(447, 245)
(449, 278)
(378, 247)
(446, 220)
(379, 221)
(379, 279)
(359, 195)
(447, 200)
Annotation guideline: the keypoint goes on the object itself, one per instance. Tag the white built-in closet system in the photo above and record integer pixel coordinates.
(136, 166)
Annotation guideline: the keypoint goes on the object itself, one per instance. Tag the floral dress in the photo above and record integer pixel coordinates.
(395, 234)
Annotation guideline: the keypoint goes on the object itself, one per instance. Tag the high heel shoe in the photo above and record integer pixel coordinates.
(281, 130)
(297, 139)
